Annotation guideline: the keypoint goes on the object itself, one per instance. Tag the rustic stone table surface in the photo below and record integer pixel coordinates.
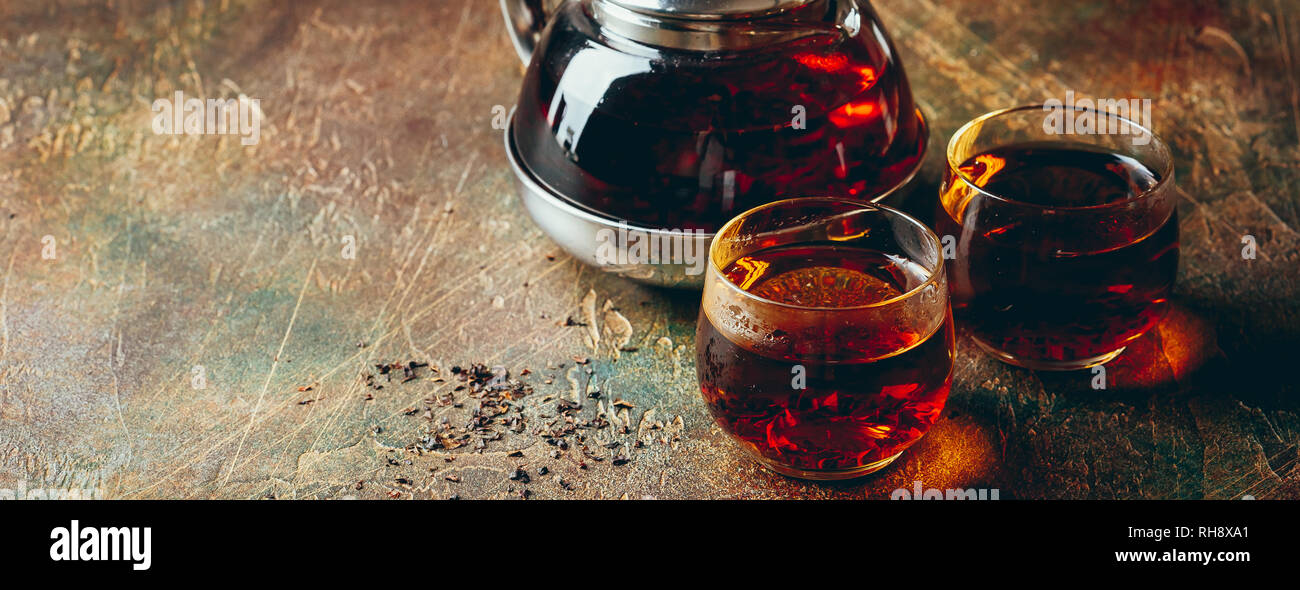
(180, 316)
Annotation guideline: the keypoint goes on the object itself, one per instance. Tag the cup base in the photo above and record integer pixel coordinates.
(818, 475)
(1041, 365)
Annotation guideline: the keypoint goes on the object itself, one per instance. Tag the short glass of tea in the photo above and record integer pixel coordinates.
(825, 341)
(1063, 233)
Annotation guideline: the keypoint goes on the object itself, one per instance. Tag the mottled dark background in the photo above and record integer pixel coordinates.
(182, 254)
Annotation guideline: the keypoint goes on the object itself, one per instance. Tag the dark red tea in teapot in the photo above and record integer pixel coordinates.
(678, 137)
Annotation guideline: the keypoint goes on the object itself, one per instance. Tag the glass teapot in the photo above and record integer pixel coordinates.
(676, 115)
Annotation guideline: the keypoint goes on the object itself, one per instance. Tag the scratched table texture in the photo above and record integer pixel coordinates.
(200, 333)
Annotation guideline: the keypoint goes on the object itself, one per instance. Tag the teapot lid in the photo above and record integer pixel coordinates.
(705, 25)
(710, 9)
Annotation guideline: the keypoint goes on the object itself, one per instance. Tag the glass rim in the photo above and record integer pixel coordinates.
(1166, 169)
(935, 274)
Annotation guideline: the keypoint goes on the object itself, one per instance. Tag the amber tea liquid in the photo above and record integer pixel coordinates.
(866, 395)
(1022, 282)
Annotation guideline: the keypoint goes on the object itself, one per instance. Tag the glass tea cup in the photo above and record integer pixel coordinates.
(825, 342)
(1065, 244)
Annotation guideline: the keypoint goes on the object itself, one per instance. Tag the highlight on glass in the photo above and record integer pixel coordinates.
(825, 340)
(1066, 245)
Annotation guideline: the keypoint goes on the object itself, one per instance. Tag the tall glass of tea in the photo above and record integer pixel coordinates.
(825, 341)
(1064, 238)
